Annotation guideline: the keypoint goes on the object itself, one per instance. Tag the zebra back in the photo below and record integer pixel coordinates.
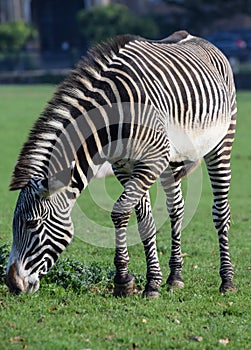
(185, 82)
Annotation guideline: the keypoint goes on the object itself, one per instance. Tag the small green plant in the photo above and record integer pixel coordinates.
(67, 273)
(4, 254)
(79, 277)
(74, 275)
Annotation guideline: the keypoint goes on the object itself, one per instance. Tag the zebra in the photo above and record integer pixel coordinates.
(153, 110)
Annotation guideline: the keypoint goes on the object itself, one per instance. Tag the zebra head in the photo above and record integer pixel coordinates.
(42, 228)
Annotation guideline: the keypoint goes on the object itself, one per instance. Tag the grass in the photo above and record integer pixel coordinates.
(61, 316)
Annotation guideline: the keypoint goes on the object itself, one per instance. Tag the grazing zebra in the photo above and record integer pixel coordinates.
(152, 109)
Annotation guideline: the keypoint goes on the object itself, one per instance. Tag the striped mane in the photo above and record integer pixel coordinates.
(98, 57)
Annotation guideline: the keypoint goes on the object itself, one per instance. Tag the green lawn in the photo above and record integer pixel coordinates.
(197, 317)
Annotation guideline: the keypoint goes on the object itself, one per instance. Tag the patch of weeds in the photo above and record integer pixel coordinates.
(71, 274)
(4, 254)
(74, 275)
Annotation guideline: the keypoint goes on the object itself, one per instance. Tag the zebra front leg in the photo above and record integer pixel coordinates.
(124, 283)
(218, 166)
(147, 230)
(144, 174)
(175, 207)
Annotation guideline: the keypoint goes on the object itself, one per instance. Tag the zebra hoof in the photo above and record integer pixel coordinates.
(175, 281)
(227, 286)
(124, 288)
(150, 294)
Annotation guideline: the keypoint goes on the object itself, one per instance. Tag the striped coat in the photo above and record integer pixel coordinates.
(150, 108)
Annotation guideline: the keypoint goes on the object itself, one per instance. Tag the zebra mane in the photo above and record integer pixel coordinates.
(105, 51)
(98, 57)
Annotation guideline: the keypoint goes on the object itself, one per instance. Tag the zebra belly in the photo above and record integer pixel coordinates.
(194, 144)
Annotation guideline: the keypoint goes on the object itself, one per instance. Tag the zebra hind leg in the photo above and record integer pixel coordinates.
(175, 207)
(218, 166)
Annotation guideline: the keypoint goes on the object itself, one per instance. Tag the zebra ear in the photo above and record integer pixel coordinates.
(56, 183)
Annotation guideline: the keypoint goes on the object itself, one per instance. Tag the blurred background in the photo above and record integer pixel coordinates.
(41, 40)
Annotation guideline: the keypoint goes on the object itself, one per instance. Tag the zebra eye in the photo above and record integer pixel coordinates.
(32, 223)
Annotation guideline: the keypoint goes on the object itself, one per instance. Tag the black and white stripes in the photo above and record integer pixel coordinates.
(150, 108)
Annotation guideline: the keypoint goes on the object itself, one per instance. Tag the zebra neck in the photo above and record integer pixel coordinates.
(85, 170)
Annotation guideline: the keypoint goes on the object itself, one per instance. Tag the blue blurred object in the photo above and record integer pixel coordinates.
(235, 44)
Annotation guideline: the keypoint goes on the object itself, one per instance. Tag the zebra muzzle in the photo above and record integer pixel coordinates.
(17, 283)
